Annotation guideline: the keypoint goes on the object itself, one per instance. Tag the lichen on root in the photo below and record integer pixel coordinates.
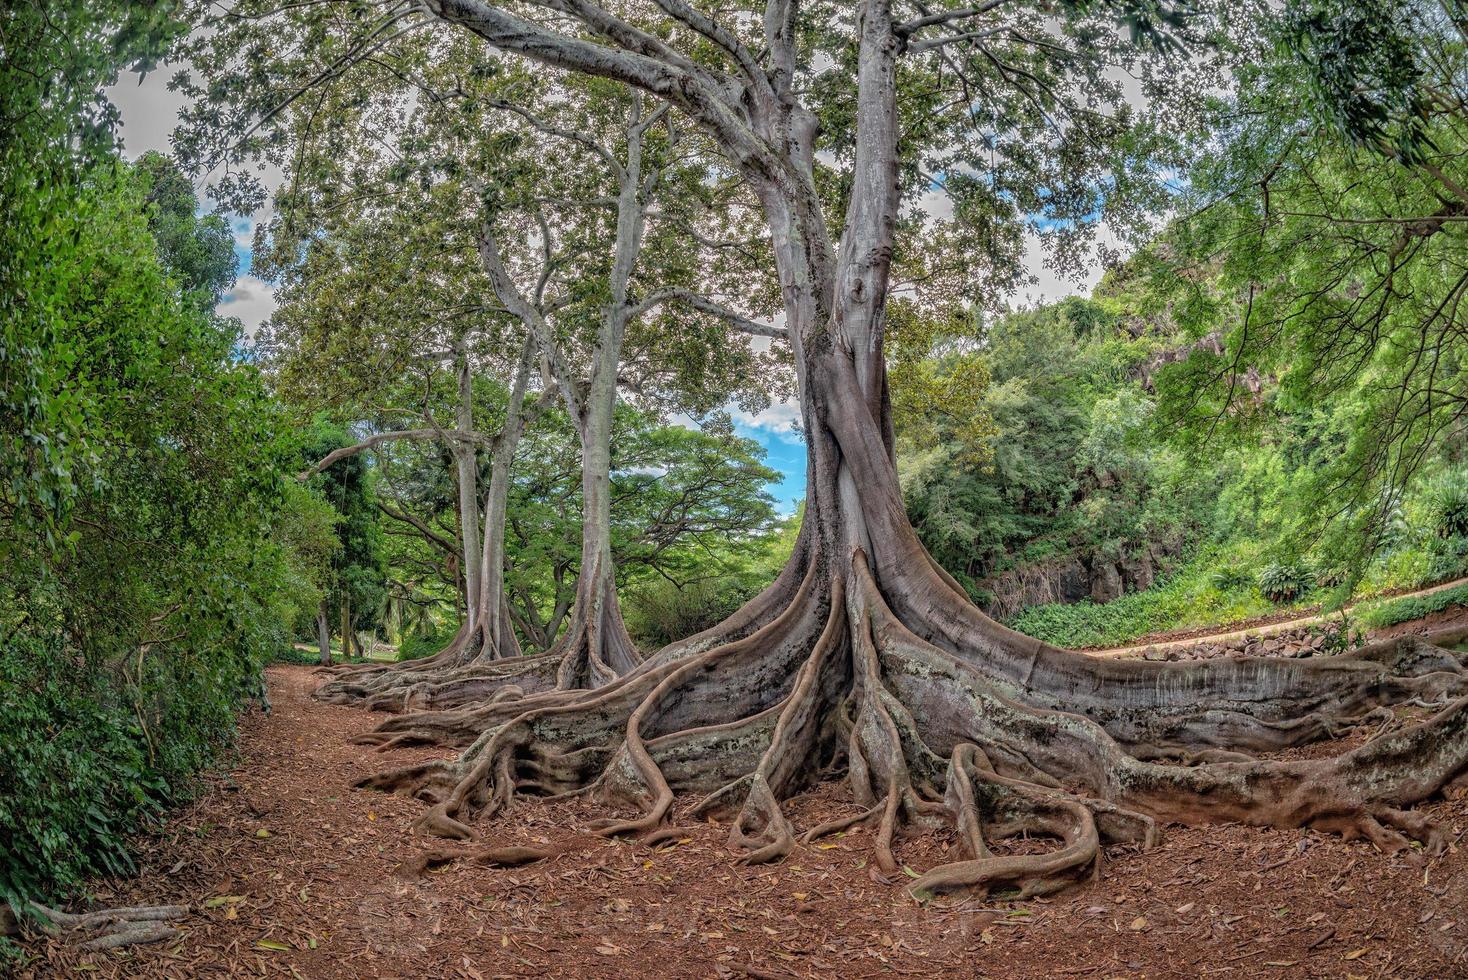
(102, 929)
(961, 722)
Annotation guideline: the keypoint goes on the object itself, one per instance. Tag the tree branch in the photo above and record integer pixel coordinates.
(373, 441)
(703, 304)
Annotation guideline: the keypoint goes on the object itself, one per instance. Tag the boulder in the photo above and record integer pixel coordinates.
(1106, 582)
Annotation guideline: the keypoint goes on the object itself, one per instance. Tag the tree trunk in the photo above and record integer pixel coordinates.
(864, 657)
(346, 612)
(323, 634)
(468, 471)
(497, 631)
(597, 647)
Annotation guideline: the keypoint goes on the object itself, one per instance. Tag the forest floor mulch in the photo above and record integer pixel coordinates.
(290, 872)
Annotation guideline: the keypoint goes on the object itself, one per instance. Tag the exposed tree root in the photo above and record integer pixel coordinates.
(456, 679)
(513, 856)
(999, 738)
(110, 928)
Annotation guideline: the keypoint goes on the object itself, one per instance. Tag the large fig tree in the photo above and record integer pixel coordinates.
(863, 657)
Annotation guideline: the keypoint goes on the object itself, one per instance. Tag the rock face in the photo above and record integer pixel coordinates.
(1106, 582)
(1073, 579)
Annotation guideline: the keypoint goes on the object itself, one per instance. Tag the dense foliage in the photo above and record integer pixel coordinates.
(1085, 515)
(149, 551)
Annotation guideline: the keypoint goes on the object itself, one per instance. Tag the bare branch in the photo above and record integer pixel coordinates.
(702, 303)
(373, 441)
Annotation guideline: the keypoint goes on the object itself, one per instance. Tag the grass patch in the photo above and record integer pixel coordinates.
(1193, 597)
(1390, 612)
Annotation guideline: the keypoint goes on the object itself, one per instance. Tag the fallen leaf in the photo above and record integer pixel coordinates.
(1281, 962)
(1356, 954)
(371, 815)
(219, 900)
(909, 872)
(609, 950)
(262, 833)
(272, 944)
(1184, 909)
(1138, 924)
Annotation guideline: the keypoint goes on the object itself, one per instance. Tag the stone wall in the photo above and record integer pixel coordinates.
(1302, 641)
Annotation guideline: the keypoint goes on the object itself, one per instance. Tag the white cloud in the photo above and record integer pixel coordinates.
(149, 110)
(779, 419)
(252, 300)
(1050, 285)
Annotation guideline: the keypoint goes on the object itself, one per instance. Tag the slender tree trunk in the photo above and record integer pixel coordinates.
(346, 611)
(323, 633)
(596, 616)
(497, 631)
(468, 468)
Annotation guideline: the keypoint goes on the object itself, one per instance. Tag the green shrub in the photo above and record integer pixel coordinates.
(1448, 507)
(288, 654)
(659, 612)
(84, 760)
(1285, 581)
(1231, 578)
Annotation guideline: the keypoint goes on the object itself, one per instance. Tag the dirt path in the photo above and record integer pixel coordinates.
(292, 873)
(1256, 628)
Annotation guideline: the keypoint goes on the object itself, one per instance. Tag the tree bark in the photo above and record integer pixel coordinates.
(497, 631)
(323, 634)
(346, 611)
(468, 472)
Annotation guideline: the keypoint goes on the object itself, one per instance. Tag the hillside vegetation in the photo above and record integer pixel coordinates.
(1079, 517)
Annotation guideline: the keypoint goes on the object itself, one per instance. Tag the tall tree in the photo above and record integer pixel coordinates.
(587, 251)
(862, 650)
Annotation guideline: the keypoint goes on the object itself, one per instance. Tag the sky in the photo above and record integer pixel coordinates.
(150, 112)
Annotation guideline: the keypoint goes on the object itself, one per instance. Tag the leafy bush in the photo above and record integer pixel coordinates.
(148, 567)
(1448, 507)
(659, 612)
(1285, 581)
(289, 654)
(1184, 600)
(1231, 578)
(84, 760)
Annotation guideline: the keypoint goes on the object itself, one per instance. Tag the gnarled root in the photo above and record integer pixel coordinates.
(512, 856)
(110, 928)
(1025, 740)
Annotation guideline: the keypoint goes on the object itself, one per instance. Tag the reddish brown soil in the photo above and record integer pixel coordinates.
(1449, 618)
(329, 893)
